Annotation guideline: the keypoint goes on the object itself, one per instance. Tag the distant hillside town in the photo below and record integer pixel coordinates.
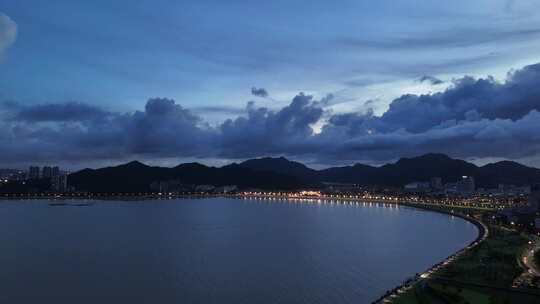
(464, 186)
(46, 178)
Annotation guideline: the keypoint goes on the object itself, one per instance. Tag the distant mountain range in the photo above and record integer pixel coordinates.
(137, 177)
(280, 173)
(404, 171)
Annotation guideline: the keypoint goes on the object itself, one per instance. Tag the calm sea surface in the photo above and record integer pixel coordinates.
(216, 251)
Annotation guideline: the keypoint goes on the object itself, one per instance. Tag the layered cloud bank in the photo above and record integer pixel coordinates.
(472, 118)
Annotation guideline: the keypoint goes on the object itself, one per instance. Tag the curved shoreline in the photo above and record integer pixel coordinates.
(483, 230)
(483, 233)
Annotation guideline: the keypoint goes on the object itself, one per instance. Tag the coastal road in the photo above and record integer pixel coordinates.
(528, 258)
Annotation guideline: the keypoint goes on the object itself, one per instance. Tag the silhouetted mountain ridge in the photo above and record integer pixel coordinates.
(407, 170)
(283, 166)
(138, 177)
(281, 173)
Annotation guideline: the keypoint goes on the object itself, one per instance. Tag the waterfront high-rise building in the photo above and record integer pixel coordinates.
(46, 172)
(50, 172)
(59, 183)
(55, 171)
(417, 187)
(436, 183)
(33, 172)
(466, 185)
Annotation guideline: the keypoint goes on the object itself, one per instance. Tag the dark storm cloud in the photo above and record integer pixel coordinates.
(259, 92)
(482, 138)
(264, 131)
(163, 129)
(430, 79)
(467, 97)
(472, 118)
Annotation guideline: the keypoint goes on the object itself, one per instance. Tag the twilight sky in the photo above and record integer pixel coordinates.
(91, 83)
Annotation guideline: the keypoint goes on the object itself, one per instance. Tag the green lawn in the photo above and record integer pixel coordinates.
(491, 263)
(453, 294)
(435, 292)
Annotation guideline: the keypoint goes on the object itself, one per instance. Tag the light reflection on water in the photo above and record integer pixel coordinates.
(266, 250)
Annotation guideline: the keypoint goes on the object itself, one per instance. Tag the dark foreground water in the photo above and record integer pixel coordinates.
(216, 251)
